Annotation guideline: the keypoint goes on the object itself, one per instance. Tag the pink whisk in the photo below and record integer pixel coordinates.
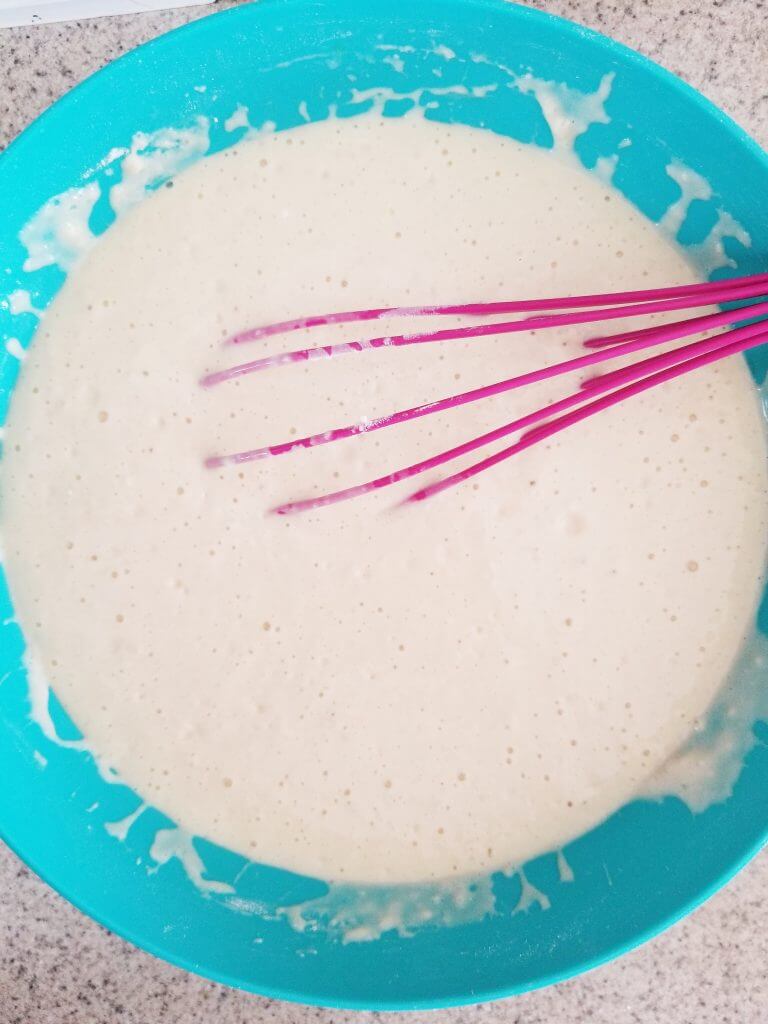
(595, 394)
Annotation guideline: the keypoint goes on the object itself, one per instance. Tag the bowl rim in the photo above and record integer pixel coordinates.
(706, 108)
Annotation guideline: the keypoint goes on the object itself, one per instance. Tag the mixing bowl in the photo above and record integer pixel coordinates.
(203, 907)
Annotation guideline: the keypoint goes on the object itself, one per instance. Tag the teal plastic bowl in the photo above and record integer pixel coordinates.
(287, 61)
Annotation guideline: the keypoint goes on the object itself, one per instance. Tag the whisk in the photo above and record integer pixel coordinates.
(744, 330)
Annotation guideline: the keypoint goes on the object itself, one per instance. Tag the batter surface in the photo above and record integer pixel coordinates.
(368, 692)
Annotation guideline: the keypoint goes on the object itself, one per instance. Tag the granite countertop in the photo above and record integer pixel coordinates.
(58, 967)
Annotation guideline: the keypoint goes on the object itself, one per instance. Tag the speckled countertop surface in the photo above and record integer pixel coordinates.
(57, 967)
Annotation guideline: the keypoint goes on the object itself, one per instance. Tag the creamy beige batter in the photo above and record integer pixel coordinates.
(367, 692)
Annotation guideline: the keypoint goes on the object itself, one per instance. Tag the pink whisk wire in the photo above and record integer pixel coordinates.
(642, 339)
(538, 434)
(612, 386)
(748, 337)
(615, 311)
(488, 308)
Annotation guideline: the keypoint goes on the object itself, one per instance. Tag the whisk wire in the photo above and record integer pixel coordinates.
(610, 387)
